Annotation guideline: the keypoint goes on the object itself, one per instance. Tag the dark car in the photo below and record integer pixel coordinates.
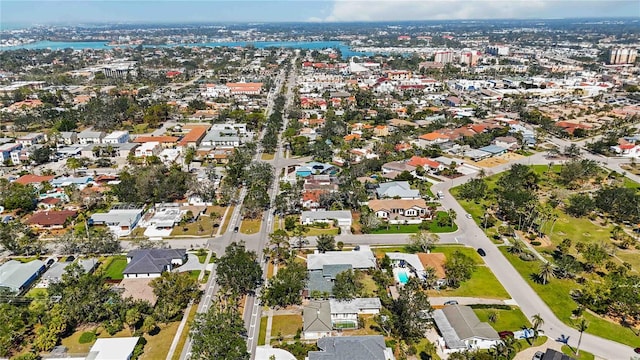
(235, 229)
(505, 334)
(482, 252)
(637, 350)
(451, 302)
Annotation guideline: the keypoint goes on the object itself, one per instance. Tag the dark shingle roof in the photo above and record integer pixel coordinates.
(350, 348)
(146, 261)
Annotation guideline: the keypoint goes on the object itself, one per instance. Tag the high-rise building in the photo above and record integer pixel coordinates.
(498, 50)
(619, 56)
(469, 57)
(443, 57)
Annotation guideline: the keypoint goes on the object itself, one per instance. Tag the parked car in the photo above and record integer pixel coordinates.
(538, 355)
(235, 229)
(482, 252)
(451, 302)
(505, 334)
(468, 216)
(637, 350)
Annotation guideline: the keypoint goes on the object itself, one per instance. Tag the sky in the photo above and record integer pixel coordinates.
(29, 12)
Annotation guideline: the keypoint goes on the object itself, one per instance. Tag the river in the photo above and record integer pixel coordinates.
(309, 45)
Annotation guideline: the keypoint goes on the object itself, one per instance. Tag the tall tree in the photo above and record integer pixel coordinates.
(218, 334)
(238, 270)
(326, 242)
(537, 321)
(174, 292)
(348, 285)
(410, 311)
(424, 240)
(546, 272)
(286, 286)
(458, 268)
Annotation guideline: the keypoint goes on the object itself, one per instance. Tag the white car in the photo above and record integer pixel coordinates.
(468, 216)
(538, 355)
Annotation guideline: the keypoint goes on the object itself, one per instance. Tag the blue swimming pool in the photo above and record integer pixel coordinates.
(403, 276)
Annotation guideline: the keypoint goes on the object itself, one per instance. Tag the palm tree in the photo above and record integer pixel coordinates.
(537, 321)
(547, 271)
(516, 248)
(452, 215)
(582, 327)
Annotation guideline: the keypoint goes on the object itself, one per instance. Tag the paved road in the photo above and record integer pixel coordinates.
(469, 233)
(218, 244)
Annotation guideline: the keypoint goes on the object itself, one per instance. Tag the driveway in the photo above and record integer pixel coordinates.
(193, 263)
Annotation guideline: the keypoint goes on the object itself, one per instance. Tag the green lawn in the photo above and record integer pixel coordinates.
(202, 227)
(37, 293)
(194, 274)
(508, 320)
(447, 250)
(158, 345)
(250, 226)
(318, 231)
(262, 335)
(116, 267)
(285, 325)
(556, 294)
(568, 350)
(482, 284)
(185, 332)
(578, 230)
(414, 228)
(267, 156)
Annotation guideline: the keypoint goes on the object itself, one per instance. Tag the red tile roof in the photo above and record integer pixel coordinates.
(49, 218)
(33, 179)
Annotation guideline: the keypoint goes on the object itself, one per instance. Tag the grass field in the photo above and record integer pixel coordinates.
(158, 345)
(116, 267)
(262, 335)
(508, 320)
(225, 225)
(556, 294)
(482, 284)
(185, 332)
(202, 227)
(250, 226)
(317, 231)
(267, 156)
(414, 228)
(568, 350)
(285, 326)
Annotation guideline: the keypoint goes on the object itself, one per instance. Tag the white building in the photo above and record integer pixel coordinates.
(116, 137)
(152, 148)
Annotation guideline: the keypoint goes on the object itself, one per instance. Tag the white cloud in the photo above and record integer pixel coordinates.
(388, 10)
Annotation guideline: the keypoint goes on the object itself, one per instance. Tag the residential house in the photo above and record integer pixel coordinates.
(16, 276)
(79, 181)
(7, 149)
(316, 320)
(194, 136)
(436, 262)
(320, 281)
(116, 137)
(51, 219)
(399, 211)
(453, 101)
(35, 180)
(120, 221)
(31, 139)
(221, 138)
(432, 138)
(627, 150)
(311, 199)
(119, 348)
(68, 137)
(315, 168)
(89, 136)
(148, 149)
(363, 258)
(370, 347)
(494, 150)
(508, 142)
(426, 163)
(409, 264)
(165, 141)
(344, 314)
(341, 217)
(243, 88)
(397, 190)
(381, 130)
(150, 263)
(462, 330)
(397, 167)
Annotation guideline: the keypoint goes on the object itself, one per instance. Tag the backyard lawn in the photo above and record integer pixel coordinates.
(115, 267)
(250, 226)
(482, 284)
(286, 326)
(556, 294)
(507, 320)
(158, 345)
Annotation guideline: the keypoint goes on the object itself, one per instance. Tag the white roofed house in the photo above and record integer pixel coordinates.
(344, 314)
(120, 221)
(116, 137)
(342, 217)
(89, 136)
(147, 149)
